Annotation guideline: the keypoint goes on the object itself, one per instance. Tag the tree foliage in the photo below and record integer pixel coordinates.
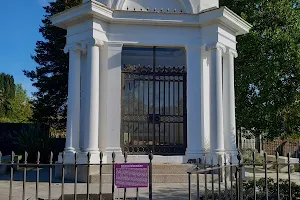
(268, 68)
(51, 75)
(20, 110)
(7, 92)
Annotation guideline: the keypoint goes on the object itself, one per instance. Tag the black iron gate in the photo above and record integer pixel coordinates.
(154, 109)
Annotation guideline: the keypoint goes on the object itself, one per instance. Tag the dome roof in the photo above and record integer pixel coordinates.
(186, 6)
(156, 5)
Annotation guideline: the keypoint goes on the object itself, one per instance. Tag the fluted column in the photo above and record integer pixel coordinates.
(229, 101)
(73, 115)
(90, 98)
(216, 105)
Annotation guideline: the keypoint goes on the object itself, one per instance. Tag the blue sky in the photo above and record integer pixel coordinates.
(19, 20)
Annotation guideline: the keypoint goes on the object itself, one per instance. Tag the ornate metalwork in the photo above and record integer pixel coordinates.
(153, 109)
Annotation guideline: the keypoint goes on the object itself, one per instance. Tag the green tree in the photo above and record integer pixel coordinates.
(21, 107)
(268, 68)
(1, 98)
(51, 75)
(7, 92)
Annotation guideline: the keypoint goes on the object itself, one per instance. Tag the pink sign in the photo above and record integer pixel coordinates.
(132, 175)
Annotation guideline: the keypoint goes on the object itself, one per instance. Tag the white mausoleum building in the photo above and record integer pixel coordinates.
(150, 76)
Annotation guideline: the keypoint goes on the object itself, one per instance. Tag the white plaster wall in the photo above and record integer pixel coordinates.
(155, 35)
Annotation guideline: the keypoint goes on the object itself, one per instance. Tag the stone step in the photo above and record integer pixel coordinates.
(161, 173)
(158, 168)
(160, 178)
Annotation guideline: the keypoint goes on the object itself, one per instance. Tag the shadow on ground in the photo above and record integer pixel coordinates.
(31, 176)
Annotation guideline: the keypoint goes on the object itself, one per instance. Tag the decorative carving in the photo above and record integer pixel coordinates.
(92, 42)
(233, 52)
(218, 46)
(72, 47)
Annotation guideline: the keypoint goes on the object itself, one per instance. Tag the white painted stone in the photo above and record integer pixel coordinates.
(91, 99)
(195, 104)
(112, 26)
(216, 105)
(73, 121)
(114, 99)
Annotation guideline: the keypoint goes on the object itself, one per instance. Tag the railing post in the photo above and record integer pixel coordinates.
(212, 177)
(150, 175)
(289, 175)
(205, 178)
(190, 190)
(24, 176)
(254, 179)
(76, 175)
(100, 171)
(225, 175)
(240, 175)
(266, 175)
(231, 179)
(125, 161)
(88, 175)
(219, 175)
(63, 176)
(50, 175)
(37, 175)
(113, 176)
(11, 174)
(277, 176)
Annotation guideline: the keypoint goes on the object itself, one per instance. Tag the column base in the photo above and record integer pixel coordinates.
(69, 157)
(94, 157)
(232, 154)
(70, 150)
(194, 156)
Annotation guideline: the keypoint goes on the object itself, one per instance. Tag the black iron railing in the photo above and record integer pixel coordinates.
(232, 182)
(12, 164)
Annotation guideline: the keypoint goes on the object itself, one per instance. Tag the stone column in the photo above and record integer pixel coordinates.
(90, 99)
(103, 86)
(73, 120)
(195, 134)
(229, 102)
(114, 51)
(216, 105)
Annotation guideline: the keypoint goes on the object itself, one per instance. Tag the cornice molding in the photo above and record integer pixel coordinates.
(117, 45)
(216, 46)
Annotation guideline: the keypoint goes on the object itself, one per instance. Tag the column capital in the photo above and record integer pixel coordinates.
(72, 47)
(215, 46)
(233, 52)
(92, 42)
